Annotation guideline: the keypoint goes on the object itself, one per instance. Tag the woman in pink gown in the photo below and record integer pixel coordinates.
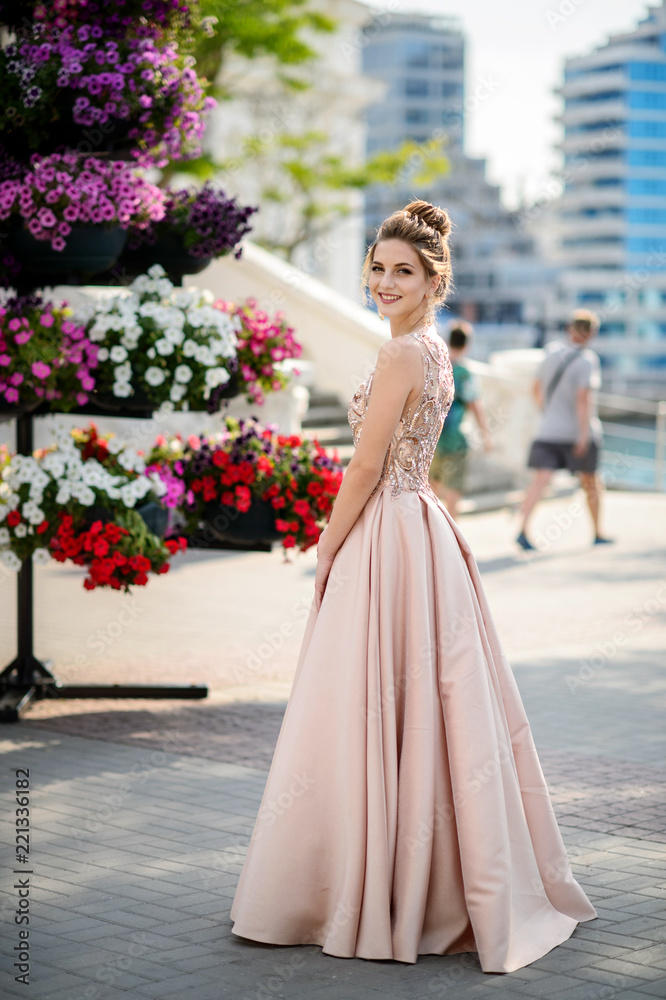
(405, 811)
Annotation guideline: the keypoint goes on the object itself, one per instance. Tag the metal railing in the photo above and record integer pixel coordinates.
(653, 467)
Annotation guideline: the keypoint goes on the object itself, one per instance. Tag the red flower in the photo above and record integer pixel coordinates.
(281, 525)
(164, 568)
(41, 528)
(288, 541)
(220, 458)
(314, 489)
(101, 547)
(278, 502)
(13, 518)
(227, 498)
(301, 507)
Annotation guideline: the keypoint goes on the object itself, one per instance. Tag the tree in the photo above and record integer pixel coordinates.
(252, 28)
(301, 173)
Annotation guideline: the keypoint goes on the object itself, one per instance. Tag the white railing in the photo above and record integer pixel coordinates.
(653, 467)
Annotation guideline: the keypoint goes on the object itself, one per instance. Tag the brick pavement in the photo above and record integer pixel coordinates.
(142, 810)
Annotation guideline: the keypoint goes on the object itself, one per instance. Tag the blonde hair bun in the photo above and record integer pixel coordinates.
(430, 215)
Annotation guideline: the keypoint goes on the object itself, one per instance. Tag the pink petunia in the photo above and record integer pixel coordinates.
(11, 395)
(46, 319)
(40, 369)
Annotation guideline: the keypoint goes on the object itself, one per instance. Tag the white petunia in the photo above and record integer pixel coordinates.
(156, 376)
(190, 348)
(151, 353)
(183, 373)
(122, 389)
(118, 353)
(182, 298)
(174, 335)
(131, 460)
(10, 559)
(21, 530)
(176, 393)
(4, 536)
(102, 353)
(123, 373)
(83, 494)
(216, 376)
(41, 556)
(163, 410)
(156, 271)
(115, 445)
(205, 356)
(164, 347)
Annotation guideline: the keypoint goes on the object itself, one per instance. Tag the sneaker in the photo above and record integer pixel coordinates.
(525, 543)
(600, 540)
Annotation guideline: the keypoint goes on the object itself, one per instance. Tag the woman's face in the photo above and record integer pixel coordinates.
(397, 281)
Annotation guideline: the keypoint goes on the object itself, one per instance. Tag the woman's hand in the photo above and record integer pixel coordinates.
(324, 562)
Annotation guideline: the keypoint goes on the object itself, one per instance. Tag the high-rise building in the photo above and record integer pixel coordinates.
(501, 282)
(611, 217)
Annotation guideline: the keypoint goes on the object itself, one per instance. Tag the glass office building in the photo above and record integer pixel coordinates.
(612, 214)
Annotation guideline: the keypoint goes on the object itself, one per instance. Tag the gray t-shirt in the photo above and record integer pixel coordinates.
(559, 422)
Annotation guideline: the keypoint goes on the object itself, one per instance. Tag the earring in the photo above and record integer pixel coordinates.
(381, 315)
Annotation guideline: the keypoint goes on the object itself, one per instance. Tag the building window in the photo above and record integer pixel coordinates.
(616, 123)
(647, 130)
(647, 157)
(451, 89)
(647, 71)
(416, 88)
(646, 245)
(607, 182)
(643, 185)
(647, 99)
(648, 216)
(604, 95)
(416, 54)
(416, 116)
(612, 329)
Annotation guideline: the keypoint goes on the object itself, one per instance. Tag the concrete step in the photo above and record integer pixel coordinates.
(324, 416)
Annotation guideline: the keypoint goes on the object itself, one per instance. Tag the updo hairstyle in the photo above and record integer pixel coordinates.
(426, 228)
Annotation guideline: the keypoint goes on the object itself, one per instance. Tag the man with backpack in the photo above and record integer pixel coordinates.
(569, 432)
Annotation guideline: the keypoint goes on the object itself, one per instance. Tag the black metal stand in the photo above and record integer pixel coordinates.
(26, 679)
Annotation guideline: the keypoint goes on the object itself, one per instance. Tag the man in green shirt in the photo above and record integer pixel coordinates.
(449, 464)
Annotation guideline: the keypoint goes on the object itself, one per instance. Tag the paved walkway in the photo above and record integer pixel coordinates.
(141, 811)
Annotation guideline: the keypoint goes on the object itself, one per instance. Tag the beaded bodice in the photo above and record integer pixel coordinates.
(412, 447)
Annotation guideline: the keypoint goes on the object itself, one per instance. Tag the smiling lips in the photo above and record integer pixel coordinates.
(387, 299)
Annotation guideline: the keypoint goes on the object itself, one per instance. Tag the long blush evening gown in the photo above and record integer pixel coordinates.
(405, 811)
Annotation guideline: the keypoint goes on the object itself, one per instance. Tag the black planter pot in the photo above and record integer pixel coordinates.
(169, 251)
(156, 517)
(8, 412)
(229, 390)
(89, 250)
(97, 513)
(255, 524)
(137, 405)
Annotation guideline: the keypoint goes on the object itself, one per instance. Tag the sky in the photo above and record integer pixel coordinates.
(514, 59)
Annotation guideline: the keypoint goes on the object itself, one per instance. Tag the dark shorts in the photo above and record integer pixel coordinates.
(449, 469)
(559, 455)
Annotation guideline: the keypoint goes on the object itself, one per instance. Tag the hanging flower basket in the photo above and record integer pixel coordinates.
(90, 249)
(255, 524)
(169, 251)
(137, 404)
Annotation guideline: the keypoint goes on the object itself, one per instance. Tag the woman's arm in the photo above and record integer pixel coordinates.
(399, 370)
